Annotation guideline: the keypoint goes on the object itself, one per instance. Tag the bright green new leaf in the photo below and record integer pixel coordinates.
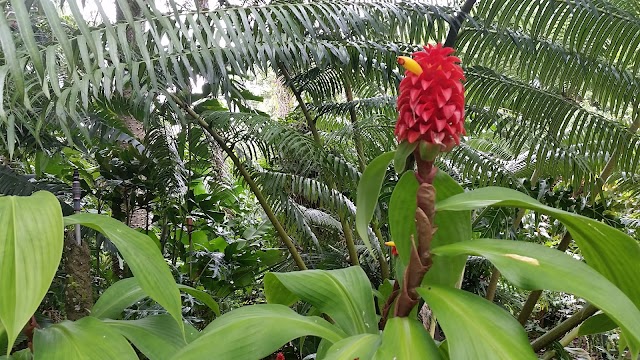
(255, 331)
(368, 191)
(532, 266)
(406, 339)
(127, 292)
(343, 294)
(452, 228)
(403, 151)
(402, 209)
(611, 252)
(476, 328)
(157, 337)
(143, 257)
(354, 347)
(116, 298)
(31, 241)
(596, 324)
(87, 338)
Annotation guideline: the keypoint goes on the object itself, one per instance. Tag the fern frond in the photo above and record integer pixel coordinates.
(595, 28)
(550, 115)
(551, 66)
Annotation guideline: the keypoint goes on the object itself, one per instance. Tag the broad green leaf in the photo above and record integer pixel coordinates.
(532, 267)
(157, 337)
(143, 257)
(354, 347)
(31, 240)
(611, 252)
(452, 228)
(116, 298)
(127, 292)
(24, 354)
(476, 328)
(255, 331)
(87, 338)
(406, 339)
(202, 296)
(344, 294)
(596, 324)
(367, 193)
(403, 151)
(402, 209)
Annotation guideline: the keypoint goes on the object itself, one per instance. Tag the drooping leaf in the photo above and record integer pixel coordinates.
(532, 267)
(143, 257)
(116, 298)
(403, 151)
(368, 191)
(476, 328)
(127, 292)
(343, 294)
(611, 252)
(406, 338)
(354, 347)
(87, 338)
(402, 209)
(157, 337)
(596, 324)
(31, 241)
(253, 332)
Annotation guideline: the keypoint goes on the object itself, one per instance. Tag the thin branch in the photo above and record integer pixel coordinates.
(564, 327)
(457, 22)
(346, 229)
(348, 91)
(247, 177)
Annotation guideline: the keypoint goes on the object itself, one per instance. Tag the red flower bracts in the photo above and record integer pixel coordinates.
(431, 99)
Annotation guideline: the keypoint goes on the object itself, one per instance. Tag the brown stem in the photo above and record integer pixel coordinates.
(420, 257)
(533, 298)
(247, 177)
(564, 327)
(493, 284)
(387, 305)
(346, 230)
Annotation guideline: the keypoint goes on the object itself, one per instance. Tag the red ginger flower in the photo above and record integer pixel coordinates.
(280, 356)
(431, 99)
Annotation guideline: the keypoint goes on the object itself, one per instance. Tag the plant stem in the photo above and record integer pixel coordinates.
(493, 284)
(562, 328)
(346, 230)
(457, 22)
(564, 342)
(252, 184)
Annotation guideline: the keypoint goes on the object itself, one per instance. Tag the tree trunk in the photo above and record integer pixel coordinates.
(78, 290)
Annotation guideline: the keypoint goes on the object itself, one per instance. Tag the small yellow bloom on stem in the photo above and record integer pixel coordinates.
(394, 251)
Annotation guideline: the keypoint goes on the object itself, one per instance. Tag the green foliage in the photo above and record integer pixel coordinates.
(142, 255)
(29, 256)
(467, 320)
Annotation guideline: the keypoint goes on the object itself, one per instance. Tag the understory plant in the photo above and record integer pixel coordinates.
(429, 223)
